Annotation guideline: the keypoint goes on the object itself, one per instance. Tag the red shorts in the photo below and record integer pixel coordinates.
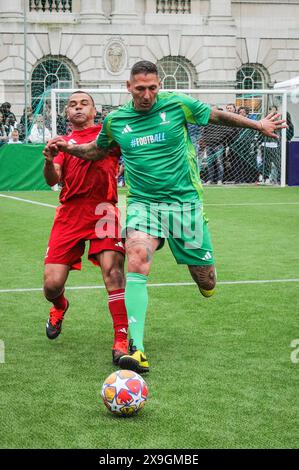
(75, 222)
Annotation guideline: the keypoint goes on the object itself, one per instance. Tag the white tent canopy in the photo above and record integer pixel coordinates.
(292, 88)
(289, 85)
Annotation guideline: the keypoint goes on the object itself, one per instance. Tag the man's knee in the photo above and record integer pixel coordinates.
(54, 281)
(52, 287)
(113, 277)
(139, 259)
(112, 267)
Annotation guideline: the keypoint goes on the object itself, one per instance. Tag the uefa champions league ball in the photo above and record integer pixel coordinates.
(124, 392)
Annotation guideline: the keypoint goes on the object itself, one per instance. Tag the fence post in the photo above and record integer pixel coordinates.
(283, 142)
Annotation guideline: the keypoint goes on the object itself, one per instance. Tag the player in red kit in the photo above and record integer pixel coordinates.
(89, 190)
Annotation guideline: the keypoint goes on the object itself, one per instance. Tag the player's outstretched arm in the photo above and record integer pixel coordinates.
(266, 126)
(52, 171)
(89, 151)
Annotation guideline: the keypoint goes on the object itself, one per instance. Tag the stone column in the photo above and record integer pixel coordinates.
(11, 10)
(92, 12)
(124, 12)
(220, 47)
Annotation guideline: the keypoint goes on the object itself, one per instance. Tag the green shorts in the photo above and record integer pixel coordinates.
(183, 225)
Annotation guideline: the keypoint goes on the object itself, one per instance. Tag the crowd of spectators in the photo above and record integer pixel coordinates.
(225, 155)
(33, 127)
(36, 128)
(232, 155)
(8, 122)
(12, 131)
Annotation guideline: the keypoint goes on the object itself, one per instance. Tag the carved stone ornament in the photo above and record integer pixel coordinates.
(115, 57)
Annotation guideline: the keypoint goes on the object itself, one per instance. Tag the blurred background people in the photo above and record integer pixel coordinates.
(39, 133)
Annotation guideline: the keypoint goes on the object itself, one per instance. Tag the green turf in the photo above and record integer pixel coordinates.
(221, 374)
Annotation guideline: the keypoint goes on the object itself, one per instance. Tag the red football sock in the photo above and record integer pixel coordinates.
(116, 303)
(60, 302)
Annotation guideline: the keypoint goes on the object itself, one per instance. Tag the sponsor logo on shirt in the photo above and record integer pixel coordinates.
(72, 141)
(132, 320)
(120, 244)
(163, 117)
(148, 139)
(207, 256)
(123, 330)
(126, 129)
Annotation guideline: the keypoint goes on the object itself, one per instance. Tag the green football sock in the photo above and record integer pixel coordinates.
(136, 299)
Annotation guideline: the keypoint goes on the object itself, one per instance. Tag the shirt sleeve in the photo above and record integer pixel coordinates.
(195, 111)
(105, 138)
(59, 159)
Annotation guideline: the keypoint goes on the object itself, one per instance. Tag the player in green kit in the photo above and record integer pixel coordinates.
(164, 188)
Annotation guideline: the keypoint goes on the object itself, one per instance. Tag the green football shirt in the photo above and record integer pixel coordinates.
(159, 158)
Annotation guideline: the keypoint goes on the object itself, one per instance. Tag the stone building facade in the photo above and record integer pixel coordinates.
(196, 43)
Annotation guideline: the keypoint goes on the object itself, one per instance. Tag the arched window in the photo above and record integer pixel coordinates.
(175, 72)
(49, 73)
(252, 77)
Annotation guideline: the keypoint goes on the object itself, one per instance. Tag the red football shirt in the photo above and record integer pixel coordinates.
(96, 181)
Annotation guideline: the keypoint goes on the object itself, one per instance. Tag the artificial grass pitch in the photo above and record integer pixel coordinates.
(221, 371)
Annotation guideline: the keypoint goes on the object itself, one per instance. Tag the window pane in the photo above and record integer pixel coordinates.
(250, 77)
(50, 73)
(169, 82)
(174, 73)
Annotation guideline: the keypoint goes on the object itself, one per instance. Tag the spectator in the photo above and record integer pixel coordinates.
(5, 108)
(229, 161)
(39, 133)
(14, 137)
(290, 128)
(195, 135)
(62, 124)
(21, 127)
(243, 111)
(10, 123)
(3, 134)
(105, 112)
(243, 148)
(270, 157)
(290, 135)
(98, 118)
(9, 119)
(47, 115)
(231, 108)
(212, 144)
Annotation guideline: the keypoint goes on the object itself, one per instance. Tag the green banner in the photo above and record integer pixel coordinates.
(21, 167)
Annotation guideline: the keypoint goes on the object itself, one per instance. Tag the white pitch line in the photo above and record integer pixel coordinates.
(120, 206)
(164, 284)
(28, 200)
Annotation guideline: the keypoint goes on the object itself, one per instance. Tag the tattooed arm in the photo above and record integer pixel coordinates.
(266, 126)
(88, 151)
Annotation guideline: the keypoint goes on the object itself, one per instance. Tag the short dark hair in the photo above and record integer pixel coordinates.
(232, 104)
(85, 93)
(145, 67)
(245, 109)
